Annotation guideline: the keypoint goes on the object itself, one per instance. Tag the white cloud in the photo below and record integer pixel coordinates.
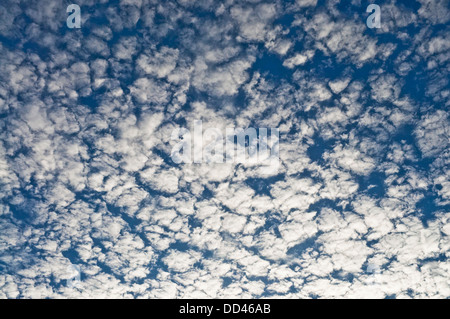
(297, 59)
(87, 179)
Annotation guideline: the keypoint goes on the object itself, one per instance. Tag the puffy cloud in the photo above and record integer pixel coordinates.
(433, 134)
(298, 59)
(358, 206)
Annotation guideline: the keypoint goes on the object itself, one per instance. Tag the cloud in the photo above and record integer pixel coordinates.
(432, 133)
(298, 59)
(87, 180)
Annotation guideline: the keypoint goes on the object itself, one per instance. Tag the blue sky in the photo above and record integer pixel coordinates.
(358, 206)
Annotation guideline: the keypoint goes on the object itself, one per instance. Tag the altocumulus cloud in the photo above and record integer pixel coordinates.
(359, 205)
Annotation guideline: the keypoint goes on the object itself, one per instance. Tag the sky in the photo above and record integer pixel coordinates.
(93, 205)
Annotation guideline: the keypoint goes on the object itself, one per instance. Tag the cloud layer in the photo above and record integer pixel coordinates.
(86, 176)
